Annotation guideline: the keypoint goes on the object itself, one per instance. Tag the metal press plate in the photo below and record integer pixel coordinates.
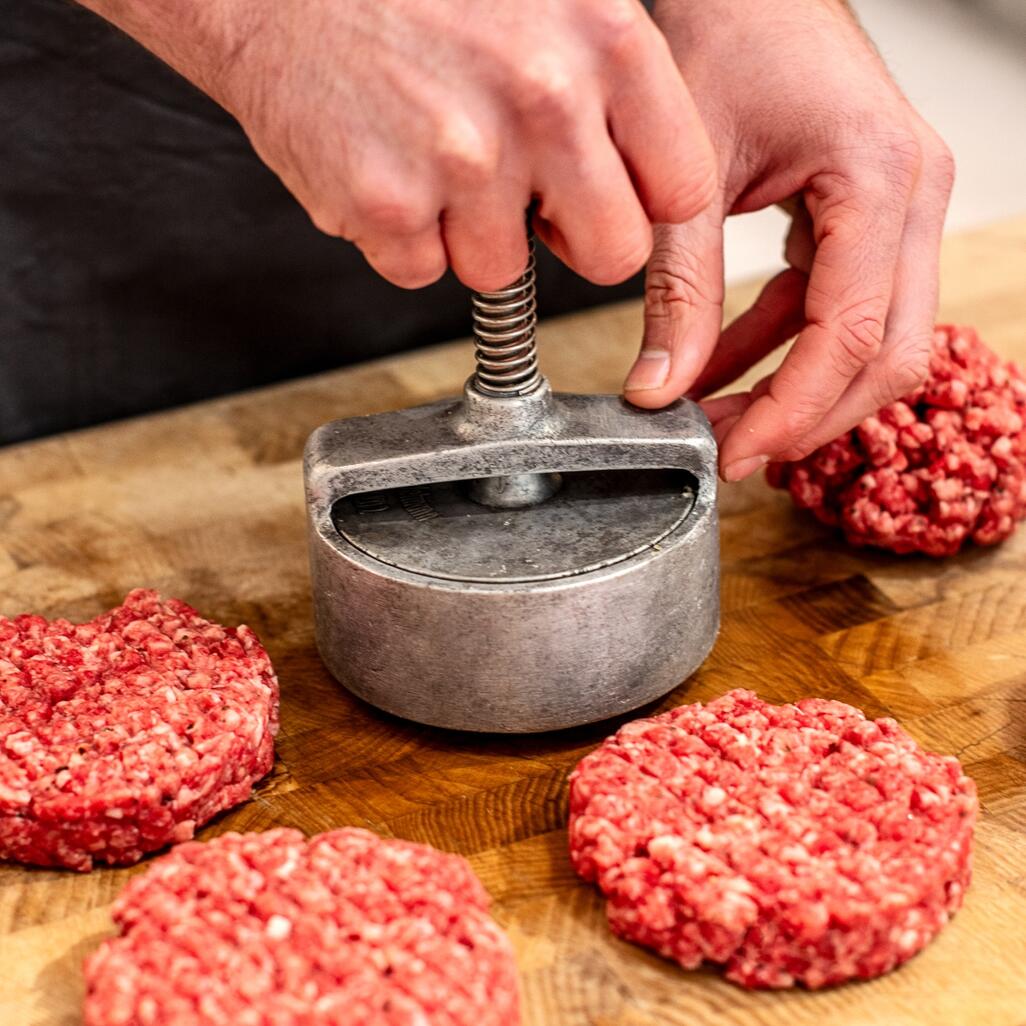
(598, 518)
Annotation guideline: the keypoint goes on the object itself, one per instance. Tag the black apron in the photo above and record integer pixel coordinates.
(148, 258)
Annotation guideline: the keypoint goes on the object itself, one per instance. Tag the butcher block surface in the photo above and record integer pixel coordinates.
(206, 504)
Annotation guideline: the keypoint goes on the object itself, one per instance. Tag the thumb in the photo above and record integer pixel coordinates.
(683, 310)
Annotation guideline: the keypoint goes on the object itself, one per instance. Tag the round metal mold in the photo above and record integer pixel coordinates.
(597, 519)
(518, 656)
(447, 612)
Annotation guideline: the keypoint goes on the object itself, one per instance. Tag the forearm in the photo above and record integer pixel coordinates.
(761, 5)
(198, 38)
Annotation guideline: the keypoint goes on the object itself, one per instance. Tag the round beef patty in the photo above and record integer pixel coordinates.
(121, 735)
(793, 844)
(272, 929)
(942, 466)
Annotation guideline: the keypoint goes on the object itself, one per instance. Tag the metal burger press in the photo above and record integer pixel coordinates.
(514, 560)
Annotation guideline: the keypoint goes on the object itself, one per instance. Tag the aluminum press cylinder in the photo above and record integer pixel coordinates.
(514, 560)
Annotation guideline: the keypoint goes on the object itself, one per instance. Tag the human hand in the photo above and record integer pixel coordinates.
(422, 129)
(802, 112)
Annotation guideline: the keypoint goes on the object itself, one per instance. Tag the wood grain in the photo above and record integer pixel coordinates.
(205, 503)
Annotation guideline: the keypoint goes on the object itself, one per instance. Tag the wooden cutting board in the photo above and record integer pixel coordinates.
(206, 504)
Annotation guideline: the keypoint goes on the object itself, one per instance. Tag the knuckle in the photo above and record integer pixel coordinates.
(798, 421)
(907, 367)
(942, 167)
(796, 449)
(463, 153)
(545, 91)
(859, 334)
(674, 285)
(619, 24)
(389, 211)
(467, 168)
(884, 163)
(669, 290)
(393, 216)
(902, 158)
(905, 149)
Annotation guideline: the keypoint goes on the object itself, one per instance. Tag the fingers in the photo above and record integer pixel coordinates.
(657, 129)
(800, 245)
(589, 214)
(393, 222)
(683, 310)
(410, 262)
(904, 358)
(776, 316)
(483, 226)
(859, 225)
(724, 407)
(724, 412)
(486, 240)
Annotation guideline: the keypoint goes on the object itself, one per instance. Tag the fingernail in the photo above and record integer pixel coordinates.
(740, 469)
(650, 370)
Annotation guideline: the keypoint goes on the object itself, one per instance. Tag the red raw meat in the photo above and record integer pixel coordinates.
(944, 465)
(271, 929)
(793, 844)
(122, 735)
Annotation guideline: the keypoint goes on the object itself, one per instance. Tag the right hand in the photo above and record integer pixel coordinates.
(422, 129)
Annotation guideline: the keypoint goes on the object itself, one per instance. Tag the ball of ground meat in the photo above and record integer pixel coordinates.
(122, 735)
(942, 466)
(272, 928)
(793, 844)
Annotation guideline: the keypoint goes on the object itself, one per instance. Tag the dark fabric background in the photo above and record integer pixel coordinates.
(147, 257)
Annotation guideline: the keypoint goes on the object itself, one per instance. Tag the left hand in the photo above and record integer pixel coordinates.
(802, 112)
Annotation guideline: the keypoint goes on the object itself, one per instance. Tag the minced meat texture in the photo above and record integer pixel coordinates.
(272, 929)
(943, 466)
(122, 735)
(793, 844)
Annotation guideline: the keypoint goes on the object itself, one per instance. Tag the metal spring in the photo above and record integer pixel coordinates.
(505, 350)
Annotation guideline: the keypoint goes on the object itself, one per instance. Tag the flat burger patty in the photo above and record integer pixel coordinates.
(121, 735)
(272, 928)
(794, 844)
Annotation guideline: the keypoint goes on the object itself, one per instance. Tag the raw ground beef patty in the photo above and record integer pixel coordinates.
(272, 929)
(794, 844)
(121, 735)
(944, 465)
